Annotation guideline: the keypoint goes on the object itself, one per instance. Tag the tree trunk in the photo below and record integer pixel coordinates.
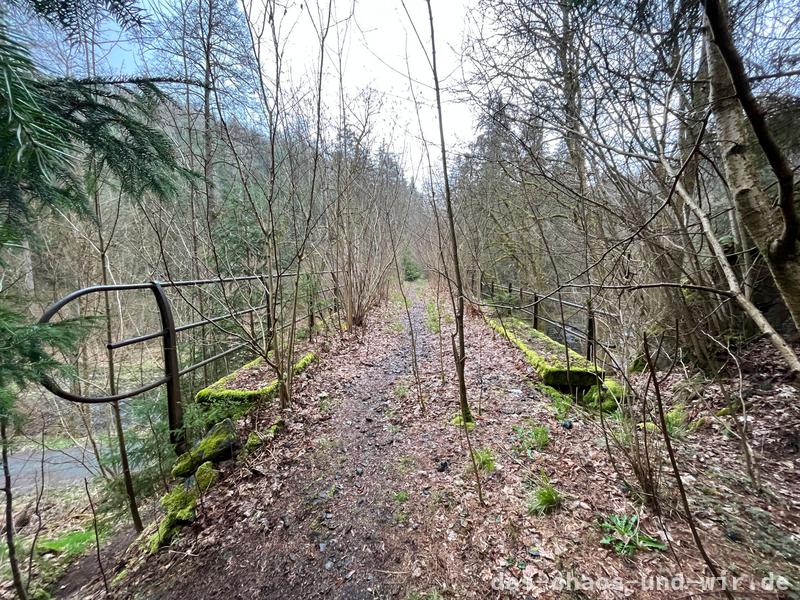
(761, 221)
(12, 550)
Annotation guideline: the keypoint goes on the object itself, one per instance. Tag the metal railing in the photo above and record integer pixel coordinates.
(169, 336)
(531, 308)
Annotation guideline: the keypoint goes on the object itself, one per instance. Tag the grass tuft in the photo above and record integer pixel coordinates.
(484, 459)
(530, 437)
(544, 497)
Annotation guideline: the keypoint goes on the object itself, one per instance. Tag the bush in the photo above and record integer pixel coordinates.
(411, 270)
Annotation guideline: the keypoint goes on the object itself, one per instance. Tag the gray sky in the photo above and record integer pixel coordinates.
(380, 48)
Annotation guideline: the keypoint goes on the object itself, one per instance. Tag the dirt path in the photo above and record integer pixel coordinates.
(340, 506)
(364, 496)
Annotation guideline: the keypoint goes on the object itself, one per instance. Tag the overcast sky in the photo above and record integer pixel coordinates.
(380, 49)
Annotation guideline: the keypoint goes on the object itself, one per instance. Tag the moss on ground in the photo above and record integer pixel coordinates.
(547, 356)
(255, 440)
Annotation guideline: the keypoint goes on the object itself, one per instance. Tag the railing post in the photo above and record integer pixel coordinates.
(171, 370)
(535, 310)
(310, 314)
(590, 351)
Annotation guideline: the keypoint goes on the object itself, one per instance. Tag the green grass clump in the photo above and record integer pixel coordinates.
(530, 437)
(401, 496)
(484, 459)
(432, 317)
(544, 497)
(622, 533)
(677, 420)
(401, 390)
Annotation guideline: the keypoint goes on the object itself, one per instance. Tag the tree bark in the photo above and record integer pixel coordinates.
(12, 550)
(763, 223)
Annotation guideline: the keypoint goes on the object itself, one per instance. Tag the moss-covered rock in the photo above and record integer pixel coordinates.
(217, 445)
(205, 476)
(253, 442)
(605, 397)
(179, 504)
(548, 357)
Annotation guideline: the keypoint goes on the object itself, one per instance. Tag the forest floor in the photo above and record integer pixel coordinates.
(367, 496)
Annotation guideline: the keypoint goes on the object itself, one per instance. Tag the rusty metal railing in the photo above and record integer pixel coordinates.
(531, 308)
(169, 336)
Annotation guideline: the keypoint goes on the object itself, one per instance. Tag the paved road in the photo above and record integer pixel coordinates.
(61, 468)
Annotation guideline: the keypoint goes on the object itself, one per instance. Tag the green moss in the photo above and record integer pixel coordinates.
(561, 402)
(253, 442)
(605, 397)
(119, 577)
(180, 504)
(548, 356)
(215, 446)
(220, 402)
(206, 476)
(302, 364)
(184, 466)
(458, 421)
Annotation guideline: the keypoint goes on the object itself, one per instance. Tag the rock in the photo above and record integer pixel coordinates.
(566, 424)
(179, 504)
(359, 471)
(206, 476)
(605, 397)
(328, 565)
(217, 445)
(689, 389)
(443, 466)
(253, 442)
(734, 535)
